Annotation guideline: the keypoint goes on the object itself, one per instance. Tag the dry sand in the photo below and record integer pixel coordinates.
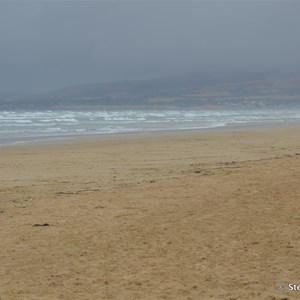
(209, 215)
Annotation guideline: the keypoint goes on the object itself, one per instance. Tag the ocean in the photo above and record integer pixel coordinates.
(22, 126)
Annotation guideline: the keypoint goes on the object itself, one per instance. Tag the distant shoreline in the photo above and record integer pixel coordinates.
(19, 141)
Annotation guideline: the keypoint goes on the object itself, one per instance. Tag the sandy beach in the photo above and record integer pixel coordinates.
(192, 215)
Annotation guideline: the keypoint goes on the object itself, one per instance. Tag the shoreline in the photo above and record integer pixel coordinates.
(19, 141)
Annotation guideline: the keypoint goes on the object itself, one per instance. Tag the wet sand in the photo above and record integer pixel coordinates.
(208, 215)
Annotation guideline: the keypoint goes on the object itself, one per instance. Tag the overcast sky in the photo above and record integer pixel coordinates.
(48, 45)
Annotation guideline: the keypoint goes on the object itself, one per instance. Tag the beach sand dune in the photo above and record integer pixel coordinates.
(209, 215)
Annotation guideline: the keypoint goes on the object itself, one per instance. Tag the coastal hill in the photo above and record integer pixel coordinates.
(189, 91)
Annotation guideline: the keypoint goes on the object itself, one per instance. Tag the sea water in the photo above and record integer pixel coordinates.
(20, 126)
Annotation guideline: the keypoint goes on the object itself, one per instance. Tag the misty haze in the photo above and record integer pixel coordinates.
(199, 49)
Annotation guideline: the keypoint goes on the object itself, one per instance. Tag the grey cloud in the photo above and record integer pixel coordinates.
(47, 45)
